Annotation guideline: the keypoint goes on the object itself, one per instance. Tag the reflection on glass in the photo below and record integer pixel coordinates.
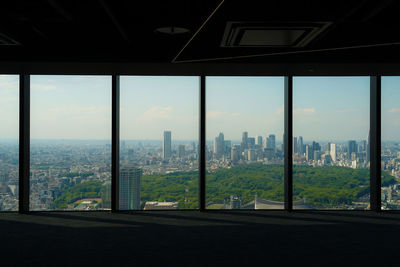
(70, 143)
(9, 145)
(159, 143)
(390, 143)
(331, 153)
(244, 142)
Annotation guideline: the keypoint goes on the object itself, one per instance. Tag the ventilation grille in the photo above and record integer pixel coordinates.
(271, 34)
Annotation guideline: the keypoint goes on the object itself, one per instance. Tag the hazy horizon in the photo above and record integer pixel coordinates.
(79, 107)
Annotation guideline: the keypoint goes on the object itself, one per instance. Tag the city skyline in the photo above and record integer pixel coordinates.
(58, 112)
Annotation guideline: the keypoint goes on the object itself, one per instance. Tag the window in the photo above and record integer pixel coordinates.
(390, 191)
(159, 143)
(331, 154)
(245, 118)
(9, 144)
(70, 142)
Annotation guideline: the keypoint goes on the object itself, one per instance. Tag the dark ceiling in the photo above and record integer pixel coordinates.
(124, 31)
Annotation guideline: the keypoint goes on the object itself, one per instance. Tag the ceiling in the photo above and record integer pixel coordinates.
(125, 31)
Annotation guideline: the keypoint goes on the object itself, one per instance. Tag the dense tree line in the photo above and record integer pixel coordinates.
(320, 186)
(70, 194)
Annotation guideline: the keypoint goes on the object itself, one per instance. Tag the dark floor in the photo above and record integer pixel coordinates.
(190, 238)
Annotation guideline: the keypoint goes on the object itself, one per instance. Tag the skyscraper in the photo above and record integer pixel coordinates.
(252, 155)
(106, 195)
(300, 146)
(181, 151)
(244, 144)
(368, 147)
(294, 145)
(259, 141)
(235, 153)
(271, 142)
(167, 151)
(251, 141)
(219, 145)
(352, 148)
(309, 152)
(227, 148)
(333, 151)
(129, 188)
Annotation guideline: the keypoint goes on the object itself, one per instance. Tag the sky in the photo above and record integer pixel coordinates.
(79, 107)
(331, 108)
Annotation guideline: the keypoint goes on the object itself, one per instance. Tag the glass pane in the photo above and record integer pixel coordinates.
(159, 143)
(390, 143)
(70, 142)
(245, 119)
(331, 142)
(9, 144)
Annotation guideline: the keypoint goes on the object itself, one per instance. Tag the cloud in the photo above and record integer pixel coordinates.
(8, 84)
(79, 110)
(42, 87)
(157, 112)
(394, 110)
(216, 114)
(304, 111)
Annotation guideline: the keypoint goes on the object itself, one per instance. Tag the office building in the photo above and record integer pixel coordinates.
(332, 152)
(106, 195)
(129, 188)
(181, 151)
(271, 142)
(244, 144)
(351, 148)
(227, 148)
(294, 145)
(166, 145)
(368, 148)
(251, 141)
(235, 154)
(300, 146)
(259, 141)
(251, 154)
(219, 146)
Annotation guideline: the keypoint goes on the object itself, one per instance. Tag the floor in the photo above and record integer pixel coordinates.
(192, 238)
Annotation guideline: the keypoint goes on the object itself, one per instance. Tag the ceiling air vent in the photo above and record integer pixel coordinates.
(271, 34)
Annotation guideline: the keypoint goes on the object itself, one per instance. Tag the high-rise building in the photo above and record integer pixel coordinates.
(328, 147)
(352, 148)
(317, 155)
(227, 148)
(316, 146)
(244, 145)
(271, 142)
(181, 151)
(309, 152)
(235, 153)
(251, 141)
(252, 155)
(333, 151)
(368, 147)
(294, 145)
(219, 146)
(259, 141)
(167, 151)
(193, 147)
(129, 188)
(106, 195)
(300, 146)
(362, 146)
